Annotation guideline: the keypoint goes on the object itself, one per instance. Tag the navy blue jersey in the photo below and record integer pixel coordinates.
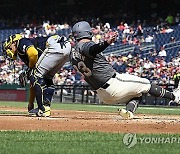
(25, 43)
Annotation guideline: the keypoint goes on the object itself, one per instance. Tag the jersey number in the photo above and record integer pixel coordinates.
(82, 69)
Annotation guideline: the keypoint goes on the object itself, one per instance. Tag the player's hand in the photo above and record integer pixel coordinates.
(112, 38)
(28, 72)
(23, 79)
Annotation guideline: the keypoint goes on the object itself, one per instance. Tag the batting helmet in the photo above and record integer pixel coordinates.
(8, 43)
(81, 30)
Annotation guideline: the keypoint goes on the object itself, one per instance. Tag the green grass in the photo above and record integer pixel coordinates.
(13, 104)
(79, 143)
(38, 142)
(12, 112)
(101, 108)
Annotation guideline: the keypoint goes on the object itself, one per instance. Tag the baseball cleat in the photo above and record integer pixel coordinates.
(39, 113)
(46, 112)
(33, 112)
(125, 114)
(176, 93)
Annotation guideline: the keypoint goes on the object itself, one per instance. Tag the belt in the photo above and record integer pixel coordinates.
(106, 85)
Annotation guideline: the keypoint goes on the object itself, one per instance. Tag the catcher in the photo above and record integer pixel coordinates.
(44, 57)
(111, 87)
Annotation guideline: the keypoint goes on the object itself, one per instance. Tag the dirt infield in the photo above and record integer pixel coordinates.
(67, 120)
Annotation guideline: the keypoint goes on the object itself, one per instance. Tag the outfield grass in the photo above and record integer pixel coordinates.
(101, 108)
(12, 112)
(79, 143)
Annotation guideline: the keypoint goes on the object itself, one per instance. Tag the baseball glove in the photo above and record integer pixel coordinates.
(28, 72)
(23, 79)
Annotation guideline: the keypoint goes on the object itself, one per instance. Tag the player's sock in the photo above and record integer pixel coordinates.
(132, 105)
(157, 91)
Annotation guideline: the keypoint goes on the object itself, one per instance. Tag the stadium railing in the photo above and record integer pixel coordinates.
(83, 94)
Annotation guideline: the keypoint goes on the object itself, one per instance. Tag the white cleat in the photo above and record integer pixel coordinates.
(126, 114)
(45, 113)
(176, 93)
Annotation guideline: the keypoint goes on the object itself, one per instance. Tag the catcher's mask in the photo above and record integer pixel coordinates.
(81, 30)
(6, 45)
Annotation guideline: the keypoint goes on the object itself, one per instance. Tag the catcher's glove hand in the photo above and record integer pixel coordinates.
(28, 72)
(23, 79)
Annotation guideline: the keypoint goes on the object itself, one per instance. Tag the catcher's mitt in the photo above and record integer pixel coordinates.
(28, 72)
(23, 79)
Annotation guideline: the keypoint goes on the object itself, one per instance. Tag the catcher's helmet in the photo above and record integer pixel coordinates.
(8, 43)
(81, 30)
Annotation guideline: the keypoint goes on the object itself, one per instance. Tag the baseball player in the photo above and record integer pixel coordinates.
(44, 56)
(111, 87)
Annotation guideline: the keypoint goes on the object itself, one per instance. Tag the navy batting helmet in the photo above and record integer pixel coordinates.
(81, 30)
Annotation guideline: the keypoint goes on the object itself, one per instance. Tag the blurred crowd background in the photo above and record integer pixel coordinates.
(149, 34)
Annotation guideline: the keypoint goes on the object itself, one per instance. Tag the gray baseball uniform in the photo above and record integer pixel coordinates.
(53, 58)
(96, 70)
(111, 86)
(49, 63)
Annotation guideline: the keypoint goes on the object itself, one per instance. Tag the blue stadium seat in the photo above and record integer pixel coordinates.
(160, 40)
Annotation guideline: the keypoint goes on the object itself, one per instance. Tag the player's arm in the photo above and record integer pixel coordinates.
(98, 48)
(32, 56)
(90, 49)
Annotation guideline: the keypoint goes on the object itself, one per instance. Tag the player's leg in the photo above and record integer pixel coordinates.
(123, 88)
(58, 67)
(158, 91)
(133, 85)
(49, 63)
(126, 86)
(44, 92)
(52, 59)
(131, 107)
